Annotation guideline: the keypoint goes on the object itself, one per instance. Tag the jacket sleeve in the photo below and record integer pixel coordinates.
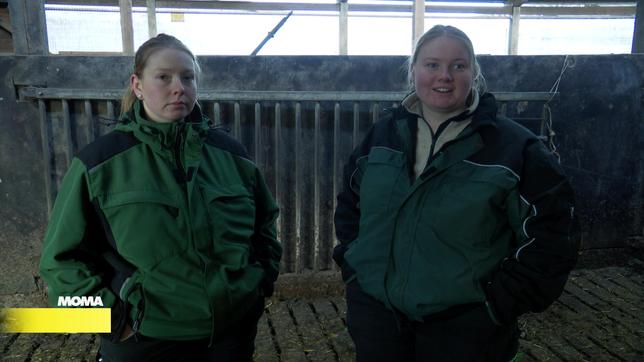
(544, 221)
(70, 263)
(347, 211)
(267, 250)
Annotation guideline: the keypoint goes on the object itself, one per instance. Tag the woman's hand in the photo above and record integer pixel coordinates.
(127, 333)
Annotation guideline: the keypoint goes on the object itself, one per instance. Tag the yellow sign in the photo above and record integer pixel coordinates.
(176, 17)
(55, 320)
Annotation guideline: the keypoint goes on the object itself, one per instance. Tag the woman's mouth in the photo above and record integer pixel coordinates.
(442, 90)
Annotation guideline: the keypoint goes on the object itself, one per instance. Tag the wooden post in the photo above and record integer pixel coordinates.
(638, 32)
(513, 41)
(418, 22)
(152, 18)
(344, 27)
(29, 28)
(127, 33)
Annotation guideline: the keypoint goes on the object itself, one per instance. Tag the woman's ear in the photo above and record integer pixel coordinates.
(135, 85)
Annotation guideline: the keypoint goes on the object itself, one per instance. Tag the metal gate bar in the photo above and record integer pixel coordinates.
(300, 140)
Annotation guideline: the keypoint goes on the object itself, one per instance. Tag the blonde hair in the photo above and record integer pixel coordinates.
(454, 33)
(152, 45)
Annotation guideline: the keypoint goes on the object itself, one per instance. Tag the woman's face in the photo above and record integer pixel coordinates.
(443, 75)
(167, 86)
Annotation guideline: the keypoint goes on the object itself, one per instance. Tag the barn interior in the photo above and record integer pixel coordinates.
(299, 84)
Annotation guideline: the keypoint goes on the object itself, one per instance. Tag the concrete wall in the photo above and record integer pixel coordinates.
(597, 116)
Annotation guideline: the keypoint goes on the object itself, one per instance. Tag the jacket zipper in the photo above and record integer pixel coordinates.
(405, 279)
(140, 308)
(431, 158)
(178, 145)
(185, 176)
(388, 304)
(435, 137)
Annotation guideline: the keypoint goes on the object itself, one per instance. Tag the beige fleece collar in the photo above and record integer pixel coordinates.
(413, 104)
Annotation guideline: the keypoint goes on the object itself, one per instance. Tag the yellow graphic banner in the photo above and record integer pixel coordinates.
(55, 320)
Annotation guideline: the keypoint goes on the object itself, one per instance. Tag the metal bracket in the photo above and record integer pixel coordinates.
(24, 92)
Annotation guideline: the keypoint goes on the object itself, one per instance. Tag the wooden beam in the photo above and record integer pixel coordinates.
(418, 21)
(29, 29)
(608, 8)
(295, 6)
(344, 27)
(513, 43)
(638, 33)
(152, 18)
(127, 33)
(30, 92)
(586, 11)
(601, 9)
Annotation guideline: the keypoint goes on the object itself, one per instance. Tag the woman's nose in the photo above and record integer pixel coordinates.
(445, 74)
(177, 85)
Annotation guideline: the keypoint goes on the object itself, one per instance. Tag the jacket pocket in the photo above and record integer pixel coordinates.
(128, 309)
(119, 319)
(231, 211)
(136, 298)
(380, 183)
(477, 207)
(146, 225)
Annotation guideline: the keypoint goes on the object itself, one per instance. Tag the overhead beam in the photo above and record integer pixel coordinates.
(638, 33)
(344, 27)
(127, 33)
(513, 43)
(152, 18)
(250, 6)
(608, 11)
(418, 21)
(29, 28)
(607, 8)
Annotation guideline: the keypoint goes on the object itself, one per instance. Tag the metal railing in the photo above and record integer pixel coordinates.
(300, 140)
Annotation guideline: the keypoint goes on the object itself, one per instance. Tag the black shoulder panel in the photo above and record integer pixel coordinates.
(106, 147)
(517, 131)
(383, 133)
(504, 144)
(219, 139)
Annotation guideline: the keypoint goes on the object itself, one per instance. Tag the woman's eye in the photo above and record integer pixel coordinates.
(163, 77)
(432, 65)
(459, 66)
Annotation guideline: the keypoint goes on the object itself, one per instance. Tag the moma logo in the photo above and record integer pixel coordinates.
(83, 301)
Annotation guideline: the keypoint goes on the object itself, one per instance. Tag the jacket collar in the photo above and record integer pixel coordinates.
(481, 108)
(412, 104)
(485, 114)
(161, 135)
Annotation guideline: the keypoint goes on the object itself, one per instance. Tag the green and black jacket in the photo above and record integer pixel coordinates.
(489, 220)
(170, 224)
